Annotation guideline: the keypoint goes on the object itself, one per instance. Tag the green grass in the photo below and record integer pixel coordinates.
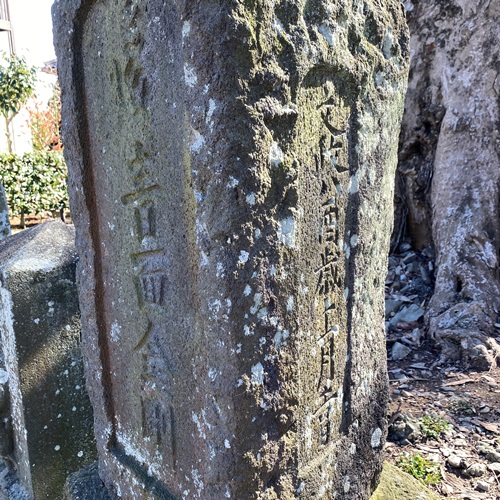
(426, 471)
(462, 406)
(433, 426)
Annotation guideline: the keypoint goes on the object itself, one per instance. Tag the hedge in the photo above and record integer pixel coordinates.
(34, 182)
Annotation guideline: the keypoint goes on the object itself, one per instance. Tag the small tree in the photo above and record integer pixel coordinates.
(17, 85)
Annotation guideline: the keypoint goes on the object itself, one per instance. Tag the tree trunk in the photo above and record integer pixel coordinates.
(449, 170)
(8, 135)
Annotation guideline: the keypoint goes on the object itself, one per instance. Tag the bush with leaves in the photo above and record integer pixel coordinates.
(17, 85)
(34, 182)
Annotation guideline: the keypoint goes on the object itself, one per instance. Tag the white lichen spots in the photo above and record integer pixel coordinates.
(286, 231)
(380, 80)
(227, 444)
(257, 301)
(77, 387)
(347, 251)
(387, 43)
(111, 226)
(308, 434)
(301, 488)
(247, 331)
(228, 493)
(243, 258)
(257, 374)
(116, 332)
(352, 449)
(347, 484)
(36, 321)
(186, 29)
(212, 374)
(257, 233)
(247, 291)
(197, 142)
(196, 420)
(290, 303)
(190, 76)
(233, 182)
(197, 481)
(278, 26)
(79, 454)
(250, 198)
(238, 348)
(215, 307)
(328, 34)
(408, 6)
(376, 437)
(74, 408)
(57, 447)
(276, 155)
(240, 382)
(211, 108)
(220, 273)
(4, 377)
(354, 241)
(488, 254)
(346, 293)
(354, 183)
(280, 337)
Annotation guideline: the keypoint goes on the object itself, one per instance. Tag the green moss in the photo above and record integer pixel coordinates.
(398, 485)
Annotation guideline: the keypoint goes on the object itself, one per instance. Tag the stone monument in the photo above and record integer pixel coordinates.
(231, 178)
(47, 412)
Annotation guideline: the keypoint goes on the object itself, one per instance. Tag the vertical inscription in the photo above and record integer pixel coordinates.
(148, 259)
(332, 168)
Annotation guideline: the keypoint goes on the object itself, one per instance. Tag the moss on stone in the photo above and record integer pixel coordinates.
(398, 485)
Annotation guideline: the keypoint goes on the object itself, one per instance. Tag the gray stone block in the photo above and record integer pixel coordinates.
(40, 334)
(231, 178)
(4, 214)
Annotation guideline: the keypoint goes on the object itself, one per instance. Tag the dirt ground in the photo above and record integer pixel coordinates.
(468, 453)
(33, 220)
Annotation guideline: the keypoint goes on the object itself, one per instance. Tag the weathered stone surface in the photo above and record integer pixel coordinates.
(398, 485)
(40, 333)
(85, 485)
(231, 182)
(4, 215)
(450, 169)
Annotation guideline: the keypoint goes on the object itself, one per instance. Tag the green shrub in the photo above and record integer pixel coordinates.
(426, 471)
(34, 182)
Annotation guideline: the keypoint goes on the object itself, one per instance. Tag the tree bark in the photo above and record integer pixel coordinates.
(449, 170)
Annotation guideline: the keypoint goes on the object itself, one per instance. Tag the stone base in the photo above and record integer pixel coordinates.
(398, 485)
(85, 485)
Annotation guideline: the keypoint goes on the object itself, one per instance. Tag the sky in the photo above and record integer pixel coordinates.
(32, 24)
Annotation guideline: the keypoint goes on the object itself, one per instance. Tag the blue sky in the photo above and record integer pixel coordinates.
(32, 24)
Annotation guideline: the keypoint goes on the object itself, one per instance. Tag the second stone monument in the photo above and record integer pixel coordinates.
(231, 175)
